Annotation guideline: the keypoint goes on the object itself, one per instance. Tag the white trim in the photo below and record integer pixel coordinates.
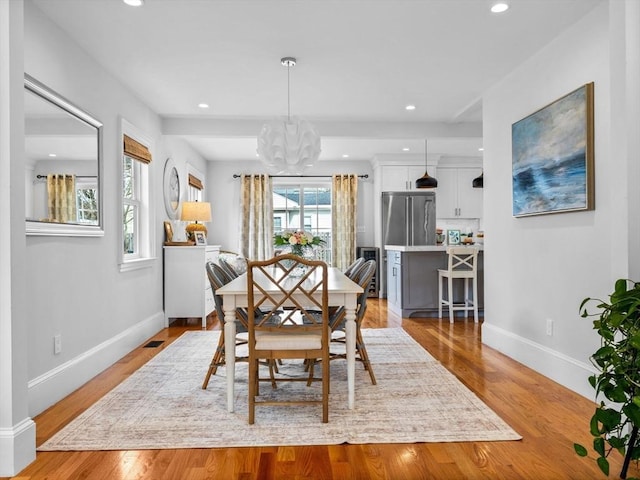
(63, 229)
(555, 365)
(137, 264)
(50, 387)
(17, 447)
(146, 209)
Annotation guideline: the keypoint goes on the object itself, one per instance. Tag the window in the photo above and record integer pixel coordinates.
(136, 236)
(194, 192)
(87, 201)
(304, 207)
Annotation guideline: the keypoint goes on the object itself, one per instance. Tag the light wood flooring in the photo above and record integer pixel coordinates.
(549, 417)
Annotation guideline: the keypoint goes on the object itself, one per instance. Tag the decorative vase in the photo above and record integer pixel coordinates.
(302, 251)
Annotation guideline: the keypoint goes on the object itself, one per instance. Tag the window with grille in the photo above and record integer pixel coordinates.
(304, 207)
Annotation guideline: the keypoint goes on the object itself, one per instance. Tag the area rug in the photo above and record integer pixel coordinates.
(162, 405)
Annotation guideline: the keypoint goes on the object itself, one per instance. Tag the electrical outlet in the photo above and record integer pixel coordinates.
(549, 326)
(57, 344)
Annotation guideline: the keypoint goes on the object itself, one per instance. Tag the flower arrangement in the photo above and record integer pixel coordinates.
(298, 241)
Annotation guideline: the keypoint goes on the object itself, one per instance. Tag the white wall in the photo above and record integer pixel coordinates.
(223, 191)
(75, 284)
(541, 267)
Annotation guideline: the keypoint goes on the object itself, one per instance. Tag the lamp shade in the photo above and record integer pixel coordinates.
(196, 212)
(478, 182)
(288, 145)
(426, 181)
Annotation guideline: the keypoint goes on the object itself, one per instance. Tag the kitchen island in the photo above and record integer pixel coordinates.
(412, 279)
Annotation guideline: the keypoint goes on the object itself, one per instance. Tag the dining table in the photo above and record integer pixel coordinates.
(342, 292)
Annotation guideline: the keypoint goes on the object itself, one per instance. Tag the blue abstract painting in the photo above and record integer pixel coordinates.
(552, 156)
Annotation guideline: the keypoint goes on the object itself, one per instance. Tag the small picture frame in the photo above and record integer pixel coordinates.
(168, 232)
(453, 237)
(201, 238)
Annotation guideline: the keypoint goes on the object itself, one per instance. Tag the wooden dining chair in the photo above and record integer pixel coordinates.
(294, 325)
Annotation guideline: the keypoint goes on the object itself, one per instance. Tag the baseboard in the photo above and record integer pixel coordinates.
(54, 385)
(17, 447)
(561, 368)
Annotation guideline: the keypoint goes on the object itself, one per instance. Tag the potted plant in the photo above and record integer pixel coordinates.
(614, 424)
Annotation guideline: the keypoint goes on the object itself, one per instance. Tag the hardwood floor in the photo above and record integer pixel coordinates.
(549, 417)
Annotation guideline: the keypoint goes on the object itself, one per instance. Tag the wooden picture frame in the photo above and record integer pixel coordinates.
(201, 238)
(168, 232)
(552, 157)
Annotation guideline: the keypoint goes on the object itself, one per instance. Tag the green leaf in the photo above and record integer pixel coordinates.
(634, 341)
(617, 319)
(617, 443)
(636, 400)
(598, 446)
(620, 286)
(580, 450)
(594, 427)
(632, 411)
(617, 394)
(608, 417)
(603, 464)
(604, 352)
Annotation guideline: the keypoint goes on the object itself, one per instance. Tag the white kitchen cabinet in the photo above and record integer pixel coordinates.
(455, 196)
(187, 291)
(401, 178)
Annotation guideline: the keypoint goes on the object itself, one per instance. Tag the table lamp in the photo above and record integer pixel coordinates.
(195, 212)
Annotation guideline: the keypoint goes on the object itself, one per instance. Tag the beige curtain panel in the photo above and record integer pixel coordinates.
(61, 194)
(344, 196)
(256, 202)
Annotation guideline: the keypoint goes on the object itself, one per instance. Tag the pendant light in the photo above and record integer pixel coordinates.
(426, 181)
(288, 144)
(478, 182)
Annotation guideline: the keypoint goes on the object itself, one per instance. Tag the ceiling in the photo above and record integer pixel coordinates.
(360, 62)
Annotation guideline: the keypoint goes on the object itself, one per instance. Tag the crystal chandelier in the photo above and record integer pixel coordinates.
(288, 144)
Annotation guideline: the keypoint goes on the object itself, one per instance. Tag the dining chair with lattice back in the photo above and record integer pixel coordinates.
(271, 286)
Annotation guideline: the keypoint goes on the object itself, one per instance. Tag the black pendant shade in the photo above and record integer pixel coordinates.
(478, 182)
(426, 181)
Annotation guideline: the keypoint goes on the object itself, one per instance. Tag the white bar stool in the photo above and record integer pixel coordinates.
(462, 263)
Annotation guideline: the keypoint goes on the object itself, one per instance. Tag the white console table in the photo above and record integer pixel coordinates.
(187, 291)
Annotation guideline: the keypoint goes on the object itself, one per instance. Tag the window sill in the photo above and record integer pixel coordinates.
(137, 264)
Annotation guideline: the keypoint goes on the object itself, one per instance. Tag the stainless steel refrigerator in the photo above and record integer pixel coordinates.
(408, 218)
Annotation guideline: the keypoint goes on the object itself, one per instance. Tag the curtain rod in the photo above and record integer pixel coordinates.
(235, 175)
(77, 176)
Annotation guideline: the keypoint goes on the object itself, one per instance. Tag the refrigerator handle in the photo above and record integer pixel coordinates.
(408, 208)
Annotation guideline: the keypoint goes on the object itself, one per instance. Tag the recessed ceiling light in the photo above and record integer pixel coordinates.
(133, 3)
(345, 155)
(203, 105)
(500, 7)
(53, 155)
(481, 149)
(406, 149)
(410, 107)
